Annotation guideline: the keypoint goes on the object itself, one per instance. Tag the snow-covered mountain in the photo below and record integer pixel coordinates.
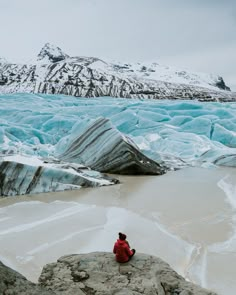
(3, 61)
(55, 72)
(50, 53)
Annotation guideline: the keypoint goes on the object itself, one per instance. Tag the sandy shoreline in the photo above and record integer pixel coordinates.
(179, 217)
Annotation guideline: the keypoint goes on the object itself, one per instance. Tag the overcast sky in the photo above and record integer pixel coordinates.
(199, 35)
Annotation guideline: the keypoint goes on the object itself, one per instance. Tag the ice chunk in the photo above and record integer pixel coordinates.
(224, 136)
(24, 175)
(102, 147)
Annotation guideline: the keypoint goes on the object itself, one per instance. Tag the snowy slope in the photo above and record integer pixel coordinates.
(3, 60)
(55, 72)
(50, 53)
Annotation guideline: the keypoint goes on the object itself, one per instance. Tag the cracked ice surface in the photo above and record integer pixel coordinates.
(177, 132)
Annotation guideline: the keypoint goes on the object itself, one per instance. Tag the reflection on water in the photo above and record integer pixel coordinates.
(185, 217)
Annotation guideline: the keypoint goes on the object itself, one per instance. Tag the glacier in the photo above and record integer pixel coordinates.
(161, 134)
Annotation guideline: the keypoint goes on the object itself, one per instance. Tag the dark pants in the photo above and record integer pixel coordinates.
(133, 253)
(130, 256)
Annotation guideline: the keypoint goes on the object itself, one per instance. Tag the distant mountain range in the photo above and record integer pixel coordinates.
(54, 72)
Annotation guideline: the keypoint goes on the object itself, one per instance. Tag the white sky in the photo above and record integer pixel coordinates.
(199, 35)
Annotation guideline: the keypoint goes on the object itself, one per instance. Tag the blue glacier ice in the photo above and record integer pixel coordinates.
(177, 133)
(36, 124)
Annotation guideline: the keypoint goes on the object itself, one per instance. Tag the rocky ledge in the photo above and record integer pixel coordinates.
(13, 283)
(99, 274)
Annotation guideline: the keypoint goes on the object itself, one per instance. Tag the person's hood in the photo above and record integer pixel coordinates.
(121, 241)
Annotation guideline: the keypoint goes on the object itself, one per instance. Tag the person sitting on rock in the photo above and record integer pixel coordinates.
(122, 249)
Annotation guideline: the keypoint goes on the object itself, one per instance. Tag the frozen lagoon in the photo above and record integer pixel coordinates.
(186, 217)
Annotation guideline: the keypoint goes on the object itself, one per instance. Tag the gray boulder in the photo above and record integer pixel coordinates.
(13, 283)
(98, 273)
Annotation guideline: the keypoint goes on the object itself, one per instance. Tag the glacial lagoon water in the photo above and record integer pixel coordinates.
(186, 217)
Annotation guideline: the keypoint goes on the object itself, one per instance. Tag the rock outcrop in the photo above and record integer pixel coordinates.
(55, 72)
(13, 283)
(99, 273)
(103, 148)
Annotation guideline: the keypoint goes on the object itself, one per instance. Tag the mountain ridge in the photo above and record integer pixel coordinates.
(55, 72)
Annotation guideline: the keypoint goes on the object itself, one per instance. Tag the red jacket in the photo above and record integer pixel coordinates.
(122, 251)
